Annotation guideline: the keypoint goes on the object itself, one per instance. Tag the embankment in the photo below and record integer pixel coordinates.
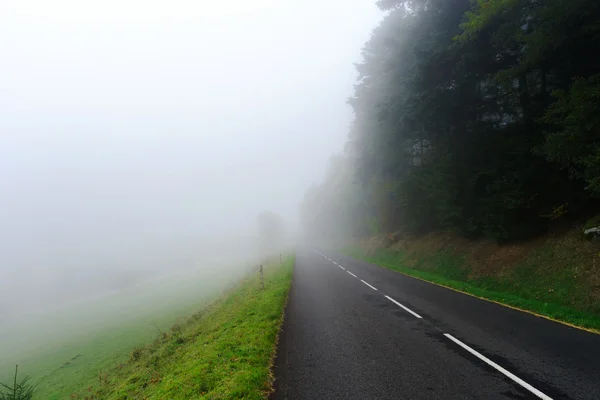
(224, 351)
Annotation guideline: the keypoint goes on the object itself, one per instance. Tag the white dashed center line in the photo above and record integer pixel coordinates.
(372, 287)
(499, 368)
(483, 358)
(402, 306)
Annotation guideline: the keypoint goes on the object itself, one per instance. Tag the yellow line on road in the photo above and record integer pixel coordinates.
(597, 332)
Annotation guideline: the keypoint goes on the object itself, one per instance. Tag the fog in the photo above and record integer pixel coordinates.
(143, 138)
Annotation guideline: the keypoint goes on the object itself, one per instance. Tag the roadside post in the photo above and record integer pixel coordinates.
(262, 278)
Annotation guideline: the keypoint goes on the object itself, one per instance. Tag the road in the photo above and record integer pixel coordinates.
(353, 330)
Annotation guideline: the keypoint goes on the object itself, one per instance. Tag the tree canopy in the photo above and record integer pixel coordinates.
(481, 117)
(271, 231)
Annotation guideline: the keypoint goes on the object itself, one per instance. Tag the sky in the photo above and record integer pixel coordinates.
(132, 127)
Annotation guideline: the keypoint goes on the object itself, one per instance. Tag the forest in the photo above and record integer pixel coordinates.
(476, 117)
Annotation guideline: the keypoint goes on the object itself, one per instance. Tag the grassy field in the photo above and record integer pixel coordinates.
(63, 368)
(224, 351)
(65, 350)
(556, 277)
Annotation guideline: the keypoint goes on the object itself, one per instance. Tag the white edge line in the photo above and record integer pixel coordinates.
(499, 368)
(372, 287)
(351, 274)
(405, 308)
(341, 267)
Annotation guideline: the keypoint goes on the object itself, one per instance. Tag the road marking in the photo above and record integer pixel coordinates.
(483, 358)
(405, 308)
(323, 255)
(499, 368)
(372, 287)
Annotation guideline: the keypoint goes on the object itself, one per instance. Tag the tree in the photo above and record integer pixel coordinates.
(271, 233)
(477, 117)
(22, 390)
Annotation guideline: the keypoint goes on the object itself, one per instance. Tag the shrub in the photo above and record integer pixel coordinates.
(23, 390)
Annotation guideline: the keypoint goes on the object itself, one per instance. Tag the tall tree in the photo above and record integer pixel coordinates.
(271, 232)
(479, 117)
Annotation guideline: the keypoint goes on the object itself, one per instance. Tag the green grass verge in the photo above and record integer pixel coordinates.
(65, 368)
(65, 350)
(225, 351)
(527, 287)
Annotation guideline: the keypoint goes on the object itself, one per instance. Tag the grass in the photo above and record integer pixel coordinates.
(66, 350)
(225, 351)
(61, 370)
(546, 282)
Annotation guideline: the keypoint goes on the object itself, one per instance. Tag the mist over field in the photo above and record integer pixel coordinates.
(139, 141)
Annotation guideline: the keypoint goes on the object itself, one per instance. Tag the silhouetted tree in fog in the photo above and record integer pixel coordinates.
(477, 117)
(271, 232)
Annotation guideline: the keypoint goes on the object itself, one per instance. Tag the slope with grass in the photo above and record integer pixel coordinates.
(224, 351)
(65, 349)
(556, 276)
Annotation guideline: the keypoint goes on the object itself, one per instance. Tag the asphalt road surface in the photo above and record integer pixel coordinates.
(354, 330)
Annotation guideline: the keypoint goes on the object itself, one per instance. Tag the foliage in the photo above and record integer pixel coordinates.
(22, 390)
(576, 145)
(271, 232)
(477, 117)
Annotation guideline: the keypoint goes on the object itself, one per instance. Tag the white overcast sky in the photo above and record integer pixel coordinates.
(130, 122)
